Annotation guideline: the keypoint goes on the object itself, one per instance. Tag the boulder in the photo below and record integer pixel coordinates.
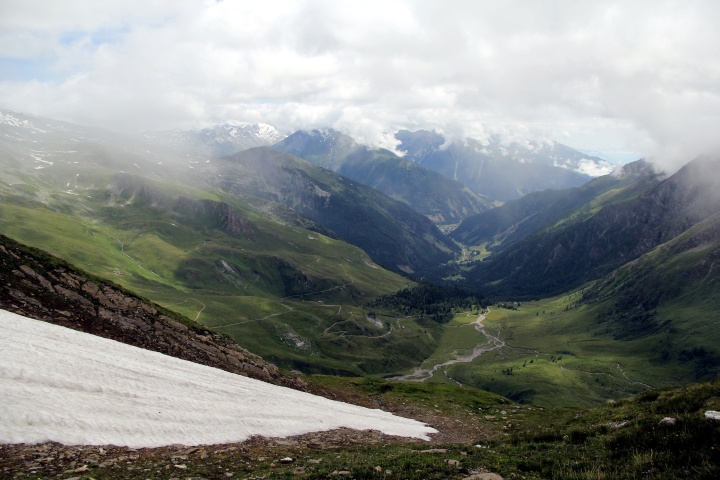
(668, 421)
(712, 415)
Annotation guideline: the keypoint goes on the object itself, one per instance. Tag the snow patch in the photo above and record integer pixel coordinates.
(66, 386)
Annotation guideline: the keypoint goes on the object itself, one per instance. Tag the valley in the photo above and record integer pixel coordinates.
(557, 358)
(478, 431)
(484, 343)
(451, 312)
(322, 240)
(293, 329)
(288, 258)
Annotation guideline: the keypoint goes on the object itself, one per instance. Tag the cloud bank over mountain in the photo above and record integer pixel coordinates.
(609, 77)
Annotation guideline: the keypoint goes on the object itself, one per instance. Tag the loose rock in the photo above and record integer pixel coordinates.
(712, 415)
(484, 476)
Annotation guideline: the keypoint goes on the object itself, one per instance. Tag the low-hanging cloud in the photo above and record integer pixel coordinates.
(642, 76)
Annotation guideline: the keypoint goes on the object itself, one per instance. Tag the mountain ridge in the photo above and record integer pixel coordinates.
(515, 219)
(603, 236)
(497, 170)
(340, 205)
(442, 200)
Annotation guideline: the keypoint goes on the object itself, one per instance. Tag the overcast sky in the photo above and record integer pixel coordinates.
(630, 76)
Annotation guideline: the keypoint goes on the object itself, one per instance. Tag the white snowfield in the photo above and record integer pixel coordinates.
(58, 384)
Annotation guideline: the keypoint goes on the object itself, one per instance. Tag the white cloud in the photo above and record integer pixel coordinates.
(626, 75)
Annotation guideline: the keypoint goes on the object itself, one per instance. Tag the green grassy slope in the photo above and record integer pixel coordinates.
(606, 233)
(549, 356)
(626, 439)
(252, 267)
(516, 219)
(652, 322)
(392, 233)
(255, 279)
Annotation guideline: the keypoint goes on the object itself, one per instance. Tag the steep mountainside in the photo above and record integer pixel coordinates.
(616, 228)
(46, 288)
(516, 219)
(161, 225)
(55, 162)
(674, 288)
(442, 200)
(499, 171)
(391, 232)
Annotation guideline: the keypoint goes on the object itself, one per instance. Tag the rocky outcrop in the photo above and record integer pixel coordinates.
(39, 286)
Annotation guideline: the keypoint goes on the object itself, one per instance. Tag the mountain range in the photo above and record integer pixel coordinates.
(441, 199)
(228, 241)
(287, 246)
(611, 221)
(501, 170)
(444, 182)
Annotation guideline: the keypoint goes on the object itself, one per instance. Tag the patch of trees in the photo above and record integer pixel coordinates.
(439, 303)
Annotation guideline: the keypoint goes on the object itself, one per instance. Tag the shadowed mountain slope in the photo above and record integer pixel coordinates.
(442, 200)
(391, 232)
(516, 219)
(616, 228)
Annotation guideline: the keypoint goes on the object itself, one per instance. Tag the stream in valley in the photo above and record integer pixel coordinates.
(491, 343)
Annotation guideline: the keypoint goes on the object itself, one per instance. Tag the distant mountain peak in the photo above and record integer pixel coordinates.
(218, 140)
(500, 168)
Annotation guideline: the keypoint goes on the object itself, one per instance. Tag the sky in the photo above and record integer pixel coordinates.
(624, 79)
(73, 390)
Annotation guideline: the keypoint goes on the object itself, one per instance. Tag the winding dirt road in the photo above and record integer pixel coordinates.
(491, 343)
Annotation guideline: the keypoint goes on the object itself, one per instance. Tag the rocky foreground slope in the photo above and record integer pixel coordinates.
(38, 286)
